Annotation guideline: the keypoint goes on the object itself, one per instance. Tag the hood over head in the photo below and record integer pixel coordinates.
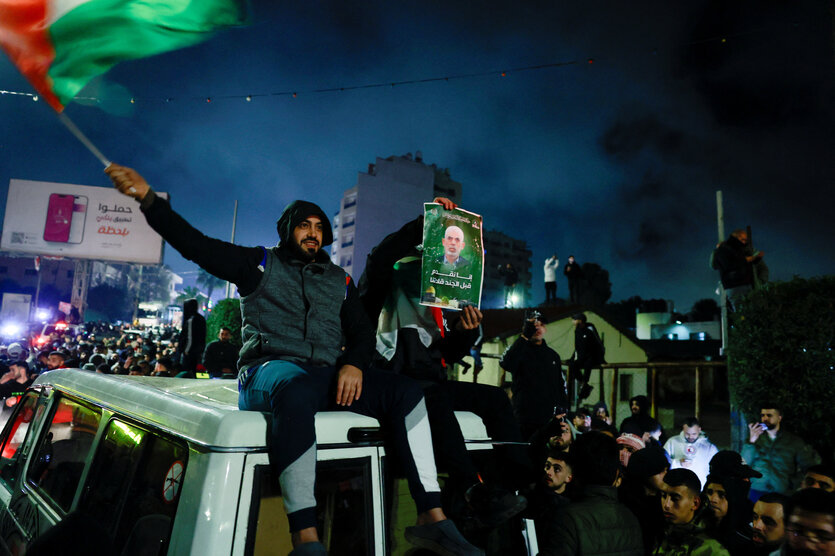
(296, 212)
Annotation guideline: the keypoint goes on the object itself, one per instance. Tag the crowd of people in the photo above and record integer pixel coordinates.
(591, 487)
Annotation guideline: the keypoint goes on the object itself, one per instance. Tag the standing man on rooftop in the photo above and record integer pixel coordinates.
(296, 308)
(550, 271)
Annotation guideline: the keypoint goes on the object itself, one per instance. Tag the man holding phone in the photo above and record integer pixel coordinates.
(779, 455)
(538, 379)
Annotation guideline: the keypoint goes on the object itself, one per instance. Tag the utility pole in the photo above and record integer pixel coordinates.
(234, 223)
(723, 297)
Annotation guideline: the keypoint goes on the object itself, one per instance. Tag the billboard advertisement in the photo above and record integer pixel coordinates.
(78, 222)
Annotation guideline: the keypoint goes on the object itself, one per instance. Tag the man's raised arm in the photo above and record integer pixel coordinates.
(227, 261)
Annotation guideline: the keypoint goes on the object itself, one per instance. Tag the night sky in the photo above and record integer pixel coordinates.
(615, 161)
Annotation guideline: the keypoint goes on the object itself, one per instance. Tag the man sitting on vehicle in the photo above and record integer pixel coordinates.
(296, 308)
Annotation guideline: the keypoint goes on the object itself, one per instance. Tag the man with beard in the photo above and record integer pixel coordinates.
(768, 530)
(779, 455)
(810, 528)
(691, 449)
(454, 244)
(307, 347)
(640, 423)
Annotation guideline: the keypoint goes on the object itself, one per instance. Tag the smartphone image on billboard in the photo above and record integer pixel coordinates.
(58, 218)
(79, 218)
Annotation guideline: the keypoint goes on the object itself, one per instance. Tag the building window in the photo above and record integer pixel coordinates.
(350, 201)
(348, 241)
(346, 261)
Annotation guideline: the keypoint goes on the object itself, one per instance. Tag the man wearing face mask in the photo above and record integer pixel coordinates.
(296, 308)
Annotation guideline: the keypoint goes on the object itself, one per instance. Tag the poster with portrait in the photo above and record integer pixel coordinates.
(453, 258)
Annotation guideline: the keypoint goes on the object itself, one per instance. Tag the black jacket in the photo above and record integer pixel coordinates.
(734, 269)
(588, 348)
(597, 524)
(538, 382)
(243, 267)
(411, 358)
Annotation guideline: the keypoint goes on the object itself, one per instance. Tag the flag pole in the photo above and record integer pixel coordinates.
(83, 138)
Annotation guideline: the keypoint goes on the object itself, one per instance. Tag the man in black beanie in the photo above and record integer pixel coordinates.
(307, 347)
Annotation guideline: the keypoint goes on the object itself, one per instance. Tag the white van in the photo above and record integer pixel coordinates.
(171, 466)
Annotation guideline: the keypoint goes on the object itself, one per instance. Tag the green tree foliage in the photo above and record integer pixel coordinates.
(227, 312)
(209, 282)
(704, 310)
(189, 292)
(595, 289)
(111, 302)
(780, 348)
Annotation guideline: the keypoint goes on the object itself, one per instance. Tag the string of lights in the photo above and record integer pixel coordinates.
(295, 93)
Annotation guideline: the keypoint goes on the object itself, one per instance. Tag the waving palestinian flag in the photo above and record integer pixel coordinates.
(59, 45)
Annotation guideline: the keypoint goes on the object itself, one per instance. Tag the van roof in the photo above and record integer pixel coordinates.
(205, 412)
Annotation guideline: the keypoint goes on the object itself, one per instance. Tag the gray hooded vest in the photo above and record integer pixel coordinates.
(293, 314)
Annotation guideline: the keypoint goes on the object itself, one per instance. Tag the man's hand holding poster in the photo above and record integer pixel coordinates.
(453, 258)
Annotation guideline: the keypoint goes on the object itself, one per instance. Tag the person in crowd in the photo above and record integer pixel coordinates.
(192, 340)
(551, 492)
(588, 353)
(768, 524)
(601, 411)
(728, 514)
(56, 360)
(640, 423)
(511, 277)
(421, 342)
(552, 263)
(297, 308)
(681, 503)
(810, 528)
(538, 380)
(16, 381)
(574, 274)
(820, 476)
(628, 444)
(597, 523)
(164, 367)
(221, 357)
(559, 434)
(581, 420)
(691, 449)
(781, 457)
(641, 492)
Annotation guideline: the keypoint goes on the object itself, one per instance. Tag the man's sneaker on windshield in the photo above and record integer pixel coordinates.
(441, 538)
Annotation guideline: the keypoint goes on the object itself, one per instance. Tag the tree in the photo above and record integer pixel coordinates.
(596, 288)
(189, 292)
(111, 302)
(780, 344)
(704, 310)
(227, 312)
(209, 282)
